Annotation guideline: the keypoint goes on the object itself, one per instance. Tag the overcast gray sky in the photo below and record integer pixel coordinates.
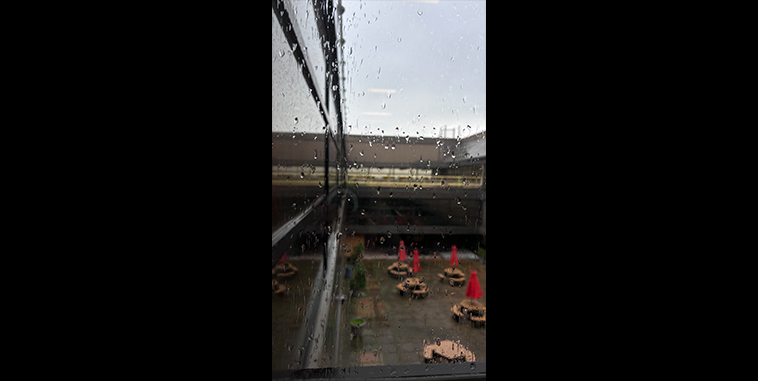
(414, 65)
(410, 58)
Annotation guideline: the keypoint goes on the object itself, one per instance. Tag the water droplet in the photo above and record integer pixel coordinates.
(281, 53)
(361, 152)
(393, 145)
(473, 366)
(315, 154)
(296, 120)
(302, 175)
(420, 13)
(363, 212)
(390, 194)
(384, 105)
(319, 185)
(378, 189)
(399, 39)
(389, 235)
(450, 215)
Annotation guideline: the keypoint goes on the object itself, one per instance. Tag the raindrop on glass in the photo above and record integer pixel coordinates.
(296, 120)
(420, 13)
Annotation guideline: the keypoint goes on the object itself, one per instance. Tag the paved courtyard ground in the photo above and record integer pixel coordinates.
(397, 327)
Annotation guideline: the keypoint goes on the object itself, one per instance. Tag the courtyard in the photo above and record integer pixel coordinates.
(396, 327)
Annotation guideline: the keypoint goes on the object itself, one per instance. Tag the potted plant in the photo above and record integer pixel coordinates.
(356, 327)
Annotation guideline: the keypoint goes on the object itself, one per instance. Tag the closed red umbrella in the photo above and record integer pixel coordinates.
(454, 257)
(416, 262)
(473, 290)
(401, 251)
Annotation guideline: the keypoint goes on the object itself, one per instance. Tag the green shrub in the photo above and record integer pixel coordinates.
(358, 251)
(359, 277)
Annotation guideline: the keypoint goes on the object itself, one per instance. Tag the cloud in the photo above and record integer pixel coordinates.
(382, 91)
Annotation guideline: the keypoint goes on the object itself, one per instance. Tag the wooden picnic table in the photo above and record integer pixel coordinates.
(276, 287)
(399, 269)
(413, 282)
(447, 351)
(472, 305)
(454, 272)
(283, 270)
(415, 285)
(471, 309)
(456, 276)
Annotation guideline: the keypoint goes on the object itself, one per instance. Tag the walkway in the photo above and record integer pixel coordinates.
(462, 254)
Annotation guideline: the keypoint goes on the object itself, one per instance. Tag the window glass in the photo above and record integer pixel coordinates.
(409, 276)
